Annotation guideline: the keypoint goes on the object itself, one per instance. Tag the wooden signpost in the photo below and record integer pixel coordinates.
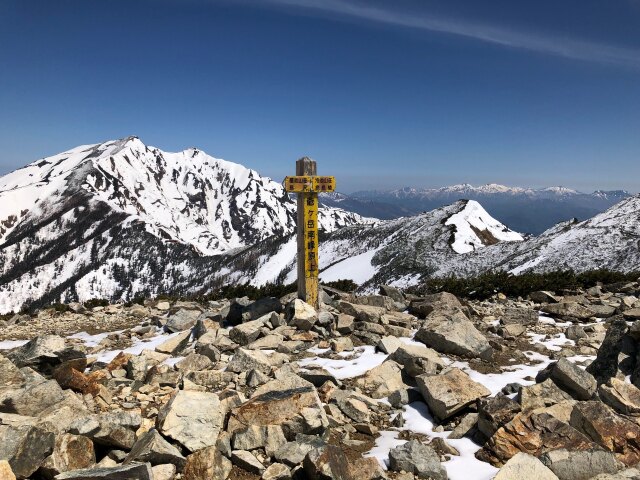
(306, 184)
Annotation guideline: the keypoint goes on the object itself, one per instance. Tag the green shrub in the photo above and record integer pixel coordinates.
(96, 302)
(343, 285)
(485, 285)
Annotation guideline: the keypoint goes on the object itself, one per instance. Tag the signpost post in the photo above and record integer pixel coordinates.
(306, 184)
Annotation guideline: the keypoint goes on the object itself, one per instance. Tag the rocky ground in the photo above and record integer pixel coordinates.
(369, 387)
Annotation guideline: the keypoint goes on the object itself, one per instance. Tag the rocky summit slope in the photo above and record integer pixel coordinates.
(387, 386)
(120, 218)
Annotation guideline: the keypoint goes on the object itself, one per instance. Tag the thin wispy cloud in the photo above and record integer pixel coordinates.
(542, 43)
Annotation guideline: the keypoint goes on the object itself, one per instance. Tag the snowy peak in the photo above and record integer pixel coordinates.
(189, 197)
(474, 228)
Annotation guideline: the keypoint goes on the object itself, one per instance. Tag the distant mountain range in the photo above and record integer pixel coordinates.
(523, 209)
(121, 219)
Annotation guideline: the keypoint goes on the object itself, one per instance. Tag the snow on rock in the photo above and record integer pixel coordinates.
(475, 228)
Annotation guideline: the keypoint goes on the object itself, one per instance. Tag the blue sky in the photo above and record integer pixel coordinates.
(382, 93)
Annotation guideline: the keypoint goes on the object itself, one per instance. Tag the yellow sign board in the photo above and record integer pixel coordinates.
(310, 232)
(303, 184)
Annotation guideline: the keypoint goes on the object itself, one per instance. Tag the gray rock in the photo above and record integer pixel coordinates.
(70, 452)
(33, 399)
(40, 351)
(541, 395)
(175, 345)
(575, 333)
(277, 471)
(137, 471)
(182, 320)
(153, 448)
(523, 466)
(194, 419)
(301, 315)
(244, 360)
(450, 392)
(207, 464)
(247, 332)
(568, 310)
(293, 453)
(454, 334)
(25, 448)
(247, 461)
(419, 459)
(519, 316)
(577, 382)
(10, 375)
(264, 306)
(621, 396)
(382, 380)
(580, 465)
(194, 362)
(345, 323)
(542, 296)
(437, 302)
(605, 365)
(627, 474)
(395, 294)
(113, 429)
(467, 423)
(388, 344)
(495, 412)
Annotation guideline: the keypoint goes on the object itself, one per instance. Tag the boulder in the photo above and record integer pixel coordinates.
(25, 448)
(381, 381)
(578, 383)
(621, 396)
(535, 434)
(331, 462)
(194, 419)
(247, 332)
(466, 425)
(5, 471)
(541, 395)
(454, 334)
(176, 344)
(114, 429)
(277, 471)
(419, 459)
(244, 360)
(393, 292)
(345, 323)
(137, 471)
(495, 412)
(523, 466)
(424, 306)
(632, 313)
(388, 344)
(568, 311)
(33, 399)
(70, 452)
(10, 374)
(207, 464)
(247, 461)
(301, 315)
(542, 296)
(41, 351)
(580, 465)
(194, 362)
(518, 316)
(613, 432)
(362, 313)
(153, 448)
(182, 320)
(605, 365)
(450, 392)
(263, 306)
(166, 471)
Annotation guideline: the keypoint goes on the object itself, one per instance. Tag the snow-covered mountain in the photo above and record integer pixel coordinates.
(400, 251)
(83, 223)
(523, 209)
(461, 239)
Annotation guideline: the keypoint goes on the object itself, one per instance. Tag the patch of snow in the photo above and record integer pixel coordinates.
(357, 268)
(366, 358)
(9, 344)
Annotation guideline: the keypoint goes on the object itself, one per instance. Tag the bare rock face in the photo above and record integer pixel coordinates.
(609, 430)
(454, 333)
(192, 418)
(331, 463)
(207, 464)
(449, 392)
(523, 466)
(535, 434)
